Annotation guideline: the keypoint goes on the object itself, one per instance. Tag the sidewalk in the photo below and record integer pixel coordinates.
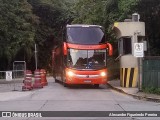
(115, 84)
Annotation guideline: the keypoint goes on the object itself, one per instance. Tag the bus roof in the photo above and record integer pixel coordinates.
(83, 25)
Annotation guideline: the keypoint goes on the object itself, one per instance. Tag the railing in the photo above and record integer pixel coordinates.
(15, 74)
(2, 74)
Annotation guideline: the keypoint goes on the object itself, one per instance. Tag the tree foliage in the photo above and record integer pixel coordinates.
(150, 14)
(28, 22)
(103, 12)
(16, 31)
(53, 16)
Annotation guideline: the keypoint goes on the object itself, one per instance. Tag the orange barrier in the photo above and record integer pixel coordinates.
(27, 81)
(43, 77)
(37, 80)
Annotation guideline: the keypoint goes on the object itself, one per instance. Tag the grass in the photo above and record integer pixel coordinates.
(151, 90)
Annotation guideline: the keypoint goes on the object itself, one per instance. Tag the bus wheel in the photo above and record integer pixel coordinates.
(56, 81)
(96, 85)
(65, 84)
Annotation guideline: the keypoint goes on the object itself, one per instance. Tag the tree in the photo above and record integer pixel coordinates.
(17, 30)
(149, 11)
(53, 17)
(103, 12)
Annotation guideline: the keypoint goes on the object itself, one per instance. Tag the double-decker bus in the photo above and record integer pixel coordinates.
(82, 56)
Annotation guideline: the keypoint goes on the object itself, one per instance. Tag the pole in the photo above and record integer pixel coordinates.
(140, 74)
(14, 78)
(139, 62)
(36, 56)
(24, 69)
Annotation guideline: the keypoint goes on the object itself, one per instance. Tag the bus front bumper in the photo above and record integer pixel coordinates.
(86, 77)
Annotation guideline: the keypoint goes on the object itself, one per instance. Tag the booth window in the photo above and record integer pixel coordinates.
(127, 48)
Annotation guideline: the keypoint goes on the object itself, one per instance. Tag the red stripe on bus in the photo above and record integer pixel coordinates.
(86, 47)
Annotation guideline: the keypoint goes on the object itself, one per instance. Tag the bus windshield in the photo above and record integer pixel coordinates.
(86, 59)
(85, 35)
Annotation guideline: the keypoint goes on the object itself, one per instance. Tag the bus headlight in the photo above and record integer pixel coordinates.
(103, 74)
(70, 73)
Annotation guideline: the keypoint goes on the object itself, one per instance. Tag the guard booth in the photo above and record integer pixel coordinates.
(129, 32)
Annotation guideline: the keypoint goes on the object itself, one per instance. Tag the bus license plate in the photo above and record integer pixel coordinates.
(87, 81)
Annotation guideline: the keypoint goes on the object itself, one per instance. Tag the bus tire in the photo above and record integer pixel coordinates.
(65, 84)
(96, 85)
(56, 81)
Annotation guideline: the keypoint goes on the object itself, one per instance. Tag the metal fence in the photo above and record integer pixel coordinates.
(13, 79)
(2, 74)
(19, 68)
(15, 74)
(151, 72)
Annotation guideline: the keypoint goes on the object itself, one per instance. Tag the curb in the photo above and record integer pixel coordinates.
(135, 96)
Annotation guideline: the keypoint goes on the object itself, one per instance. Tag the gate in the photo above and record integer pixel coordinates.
(13, 79)
(19, 68)
(151, 72)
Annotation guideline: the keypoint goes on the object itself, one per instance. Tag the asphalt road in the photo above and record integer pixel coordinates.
(55, 97)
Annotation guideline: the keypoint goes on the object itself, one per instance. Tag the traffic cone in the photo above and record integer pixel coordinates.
(43, 77)
(27, 81)
(37, 80)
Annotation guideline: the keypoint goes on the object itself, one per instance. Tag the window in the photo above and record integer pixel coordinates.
(86, 59)
(85, 35)
(125, 46)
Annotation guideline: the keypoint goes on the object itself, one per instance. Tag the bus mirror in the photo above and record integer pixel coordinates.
(65, 48)
(110, 49)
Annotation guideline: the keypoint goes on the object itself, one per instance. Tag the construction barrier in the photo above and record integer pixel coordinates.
(27, 81)
(37, 79)
(43, 77)
(128, 77)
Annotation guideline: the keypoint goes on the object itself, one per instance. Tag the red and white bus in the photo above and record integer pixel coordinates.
(82, 57)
